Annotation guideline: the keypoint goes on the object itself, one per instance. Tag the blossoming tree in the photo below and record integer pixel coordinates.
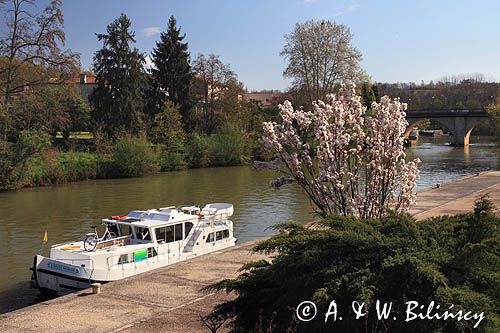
(360, 167)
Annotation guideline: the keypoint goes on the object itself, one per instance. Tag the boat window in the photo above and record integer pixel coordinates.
(210, 237)
(152, 252)
(218, 235)
(178, 232)
(135, 214)
(142, 233)
(125, 230)
(187, 228)
(165, 234)
(113, 228)
(225, 233)
(158, 217)
(126, 258)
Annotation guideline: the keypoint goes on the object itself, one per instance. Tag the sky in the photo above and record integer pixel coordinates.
(401, 41)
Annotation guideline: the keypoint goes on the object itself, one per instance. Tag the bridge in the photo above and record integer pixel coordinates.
(458, 122)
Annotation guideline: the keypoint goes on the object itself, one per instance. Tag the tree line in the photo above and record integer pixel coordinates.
(186, 112)
(178, 113)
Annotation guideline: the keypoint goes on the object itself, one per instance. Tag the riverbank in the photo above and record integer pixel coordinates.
(170, 300)
(128, 157)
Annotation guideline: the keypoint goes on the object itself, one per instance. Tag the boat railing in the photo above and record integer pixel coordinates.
(118, 241)
(216, 219)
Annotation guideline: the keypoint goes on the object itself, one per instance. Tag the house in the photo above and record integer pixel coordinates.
(85, 84)
(267, 100)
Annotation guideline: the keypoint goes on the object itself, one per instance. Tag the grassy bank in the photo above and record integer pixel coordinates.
(128, 157)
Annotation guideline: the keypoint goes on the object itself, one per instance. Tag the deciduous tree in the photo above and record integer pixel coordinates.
(361, 168)
(217, 79)
(320, 56)
(31, 47)
(30, 51)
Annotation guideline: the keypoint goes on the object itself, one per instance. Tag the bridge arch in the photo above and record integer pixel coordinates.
(459, 123)
(414, 123)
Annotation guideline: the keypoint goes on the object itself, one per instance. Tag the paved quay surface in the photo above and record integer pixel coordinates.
(170, 299)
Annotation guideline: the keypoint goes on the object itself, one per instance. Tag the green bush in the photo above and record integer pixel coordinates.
(197, 151)
(44, 169)
(54, 167)
(227, 148)
(134, 157)
(448, 260)
(78, 165)
(172, 161)
(105, 165)
(16, 158)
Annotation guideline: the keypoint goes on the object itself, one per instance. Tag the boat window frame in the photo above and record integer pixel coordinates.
(148, 237)
(175, 229)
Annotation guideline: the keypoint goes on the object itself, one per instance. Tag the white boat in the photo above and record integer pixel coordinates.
(135, 243)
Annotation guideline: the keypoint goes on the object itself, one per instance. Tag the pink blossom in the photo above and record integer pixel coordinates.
(360, 164)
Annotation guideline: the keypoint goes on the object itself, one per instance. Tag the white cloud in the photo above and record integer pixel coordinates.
(350, 8)
(148, 32)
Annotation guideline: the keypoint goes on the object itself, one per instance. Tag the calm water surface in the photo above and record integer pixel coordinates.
(67, 212)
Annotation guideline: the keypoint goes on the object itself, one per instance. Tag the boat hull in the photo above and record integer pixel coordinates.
(56, 278)
(59, 278)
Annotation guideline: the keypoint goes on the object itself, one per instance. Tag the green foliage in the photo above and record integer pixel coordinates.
(494, 111)
(172, 161)
(117, 101)
(393, 259)
(197, 151)
(171, 75)
(50, 109)
(227, 148)
(367, 94)
(167, 126)
(133, 157)
(78, 165)
(53, 167)
(15, 157)
(173, 158)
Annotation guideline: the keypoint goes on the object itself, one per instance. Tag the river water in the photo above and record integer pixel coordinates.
(67, 212)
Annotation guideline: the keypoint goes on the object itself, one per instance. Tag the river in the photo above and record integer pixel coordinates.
(67, 212)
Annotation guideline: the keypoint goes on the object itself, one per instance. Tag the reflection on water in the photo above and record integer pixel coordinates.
(67, 212)
(441, 163)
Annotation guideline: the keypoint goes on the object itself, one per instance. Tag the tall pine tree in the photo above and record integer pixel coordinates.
(117, 101)
(171, 74)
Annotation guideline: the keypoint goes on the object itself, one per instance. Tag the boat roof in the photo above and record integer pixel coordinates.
(151, 218)
(168, 215)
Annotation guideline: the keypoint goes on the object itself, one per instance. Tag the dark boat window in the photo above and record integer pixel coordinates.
(187, 228)
(165, 234)
(178, 232)
(125, 230)
(219, 235)
(142, 233)
(113, 228)
(225, 233)
(152, 252)
(210, 237)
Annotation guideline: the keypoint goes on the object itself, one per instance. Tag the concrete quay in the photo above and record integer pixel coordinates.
(170, 299)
